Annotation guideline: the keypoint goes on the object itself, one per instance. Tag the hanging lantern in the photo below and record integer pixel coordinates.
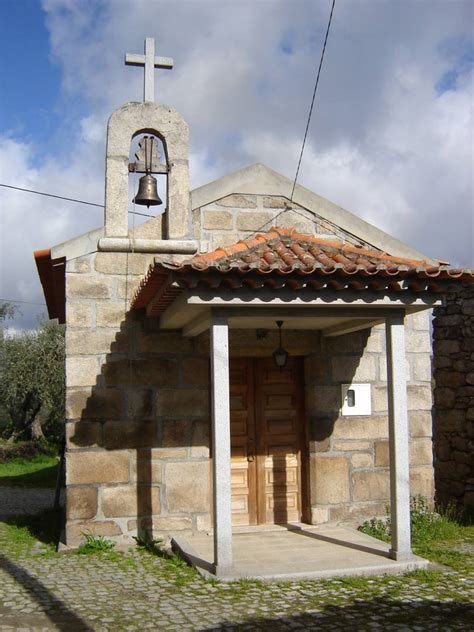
(280, 355)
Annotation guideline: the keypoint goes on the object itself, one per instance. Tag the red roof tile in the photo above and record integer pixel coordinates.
(285, 257)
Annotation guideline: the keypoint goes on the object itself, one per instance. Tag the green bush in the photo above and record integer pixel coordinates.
(95, 544)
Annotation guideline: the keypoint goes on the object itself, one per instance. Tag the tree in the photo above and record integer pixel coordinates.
(32, 382)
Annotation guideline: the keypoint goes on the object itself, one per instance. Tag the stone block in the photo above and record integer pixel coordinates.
(139, 404)
(319, 446)
(361, 428)
(357, 512)
(84, 434)
(176, 433)
(203, 522)
(200, 439)
(350, 446)
(254, 220)
(93, 403)
(222, 240)
(141, 372)
(422, 371)
(373, 485)
(187, 486)
(444, 398)
(163, 453)
(450, 379)
(182, 402)
(421, 452)
(196, 371)
(324, 399)
(126, 288)
(383, 369)
(330, 479)
(82, 371)
(417, 341)
(420, 320)
(81, 265)
(375, 342)
(123, 501)
(122, 262)
(239, 201)
(129, 434)
(217, 220)
(75, 530)
(86, 468)
(81, 503)
(420, 423)
(276, 201)
(379, 399)
(382, 453)
(163, 342)
(348, 343)
(110, 314)
(79, 314)
(146, 471)
(362, 460)
(290, 219)
(168, 524)
(319, 515)
(79, 286)
(419, 397)
(421, 481)
(354, 368)
(99, 341)
(446, 347)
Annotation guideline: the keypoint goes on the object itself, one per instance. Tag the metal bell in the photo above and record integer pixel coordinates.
(147, 192)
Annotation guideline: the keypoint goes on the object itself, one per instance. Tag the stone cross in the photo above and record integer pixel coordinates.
(150, 62)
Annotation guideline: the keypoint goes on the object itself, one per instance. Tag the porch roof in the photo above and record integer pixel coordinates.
(284, 258)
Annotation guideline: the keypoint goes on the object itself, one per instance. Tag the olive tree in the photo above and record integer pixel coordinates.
(32, 382)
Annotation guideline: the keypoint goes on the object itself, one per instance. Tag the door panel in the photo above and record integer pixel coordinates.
(266, 429)
(242, 432)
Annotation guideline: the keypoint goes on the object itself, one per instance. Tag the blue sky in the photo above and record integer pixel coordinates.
(390, 139)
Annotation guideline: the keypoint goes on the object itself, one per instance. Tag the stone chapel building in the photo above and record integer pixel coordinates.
(178, 418)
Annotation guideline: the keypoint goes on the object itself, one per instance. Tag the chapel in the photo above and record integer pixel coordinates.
(251, 355)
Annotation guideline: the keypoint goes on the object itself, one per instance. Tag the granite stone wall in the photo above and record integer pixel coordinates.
(453, 331)
(349, 455)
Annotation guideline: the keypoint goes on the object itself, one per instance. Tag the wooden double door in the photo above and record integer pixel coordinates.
(267, 433)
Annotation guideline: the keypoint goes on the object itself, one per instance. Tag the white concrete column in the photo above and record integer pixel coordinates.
(398, 438)
(221, 444)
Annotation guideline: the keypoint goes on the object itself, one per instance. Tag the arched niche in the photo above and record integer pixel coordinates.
(147, 147)
(124, 124)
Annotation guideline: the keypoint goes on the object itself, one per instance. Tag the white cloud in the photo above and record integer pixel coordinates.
(383, 143)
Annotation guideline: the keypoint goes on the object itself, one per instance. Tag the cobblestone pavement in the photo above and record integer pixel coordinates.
(43, 590)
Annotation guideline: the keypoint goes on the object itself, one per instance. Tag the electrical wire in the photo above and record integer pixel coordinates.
(312, 101)
(61, 197)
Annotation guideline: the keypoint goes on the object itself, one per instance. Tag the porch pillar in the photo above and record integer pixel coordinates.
(221, 444)
(398, 438)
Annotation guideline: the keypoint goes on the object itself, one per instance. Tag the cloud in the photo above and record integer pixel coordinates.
(390, 137)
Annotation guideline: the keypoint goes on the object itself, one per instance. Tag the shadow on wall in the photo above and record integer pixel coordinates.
(138, 439)
(143, 427)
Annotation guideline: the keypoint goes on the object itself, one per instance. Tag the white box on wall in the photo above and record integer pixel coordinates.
(356, 399)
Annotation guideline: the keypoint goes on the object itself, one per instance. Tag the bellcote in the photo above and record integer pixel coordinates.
(168, 125)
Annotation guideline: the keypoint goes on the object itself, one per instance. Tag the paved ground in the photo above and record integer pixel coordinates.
(17, 502)
(300, 552)
(42, 590)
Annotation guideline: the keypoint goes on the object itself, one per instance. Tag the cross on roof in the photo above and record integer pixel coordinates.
(150, 62)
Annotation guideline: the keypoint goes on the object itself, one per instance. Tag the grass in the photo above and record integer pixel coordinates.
(95, 544)
(435, 531)
(39, 471)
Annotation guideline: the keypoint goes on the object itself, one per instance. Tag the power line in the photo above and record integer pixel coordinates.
(9, 300)
(312, 101)
(61, 197)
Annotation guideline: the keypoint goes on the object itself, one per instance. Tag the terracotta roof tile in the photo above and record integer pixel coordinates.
(303, 260)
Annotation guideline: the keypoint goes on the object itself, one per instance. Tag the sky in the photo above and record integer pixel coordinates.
(390, 138)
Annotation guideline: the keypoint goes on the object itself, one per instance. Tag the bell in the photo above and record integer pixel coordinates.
(147, 193)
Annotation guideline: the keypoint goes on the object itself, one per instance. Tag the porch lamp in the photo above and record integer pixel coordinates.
(280, 355)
